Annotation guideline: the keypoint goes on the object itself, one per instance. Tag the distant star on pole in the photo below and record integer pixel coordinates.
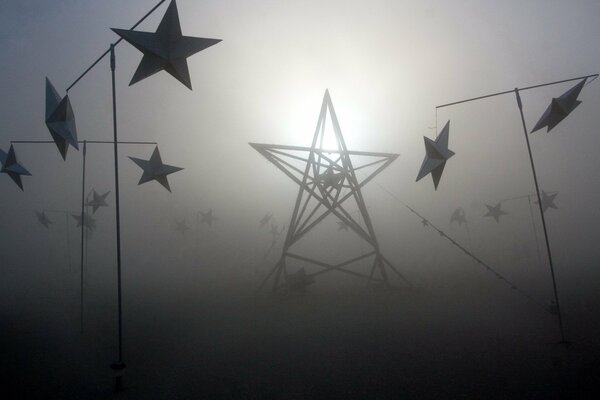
(155, 170)
(88, 222)
(495, 211)
(265, 220)
(559, 108)
(11, 166)
(97, 201)
(181, 226)
(43, 219)
(60, 120)
(436, 155)
(548, 201)
(459, 216)
(166, 49)
(207, 217)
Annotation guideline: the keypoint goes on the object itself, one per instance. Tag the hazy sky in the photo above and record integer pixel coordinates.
(387, 65)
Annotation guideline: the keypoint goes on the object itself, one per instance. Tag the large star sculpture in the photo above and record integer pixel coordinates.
(436, 155)
(548, 201)
(166, 49)
(330, 181)
(181, 226)
(459, 215)
(97, 201)
(43, 219)
(207, 217)
(60, 120)
(495, 211)
(155, 170)
(11, 166)
(87, 221)
(559, 108)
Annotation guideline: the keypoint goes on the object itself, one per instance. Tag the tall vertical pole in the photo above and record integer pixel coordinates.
(537, 191)
(537, 243)
(82, 238)
(119, 366)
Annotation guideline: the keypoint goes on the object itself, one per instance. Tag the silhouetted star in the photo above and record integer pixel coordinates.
(43, 219)
(459, 215)
(88, 222)
(342, 226)
(166, 49)
(265, 220)
(11, 167)
(559, 108)
(425, 222)
(207, 217)
(181, 226)
(154, 169)
(548, 201)
(97, 201)
(60, 120)
(495, 212)
(436, 155)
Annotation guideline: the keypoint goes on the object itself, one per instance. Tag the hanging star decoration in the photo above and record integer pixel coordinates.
(548, 201)
(207, 217)
(342, 226)
(276, 232)
(459, 215)
(560, 108)
(87, 221)
(436, 155)
(155, 170)
(97, 201)
(495, 212)
(60, 120)
(43, 219)
(265, 220)
(425, 222)
(166, 49)
(181, 226)
(11, 166)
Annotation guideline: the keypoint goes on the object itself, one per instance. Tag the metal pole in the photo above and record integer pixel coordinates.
(537, 243)
(537, 191)
(119, 366)
(82, 237)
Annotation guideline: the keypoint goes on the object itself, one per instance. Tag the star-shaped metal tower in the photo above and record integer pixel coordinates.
(166, 49)
(330, 181)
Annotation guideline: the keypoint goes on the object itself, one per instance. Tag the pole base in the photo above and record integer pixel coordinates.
(118, 367)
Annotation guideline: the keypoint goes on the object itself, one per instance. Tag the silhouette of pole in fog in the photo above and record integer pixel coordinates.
(559, 108)
(329, 178)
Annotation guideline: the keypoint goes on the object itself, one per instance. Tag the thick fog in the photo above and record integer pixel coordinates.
(193, 324)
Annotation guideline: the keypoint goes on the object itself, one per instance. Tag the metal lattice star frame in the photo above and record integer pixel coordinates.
(329, 180)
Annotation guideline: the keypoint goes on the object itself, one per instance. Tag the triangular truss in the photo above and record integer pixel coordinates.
(330, 182)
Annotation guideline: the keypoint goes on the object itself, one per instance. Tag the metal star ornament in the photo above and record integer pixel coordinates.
(43, 219)
(265, 220)
(559, 108)
(166, 49)
(181, 226)
(155, 170)
(87, 221)
(548, 201)
(97, 201)
(459, 215)
(11, 166)
(436, 155)
(495, 212)
(60, 120)
(207, 217)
